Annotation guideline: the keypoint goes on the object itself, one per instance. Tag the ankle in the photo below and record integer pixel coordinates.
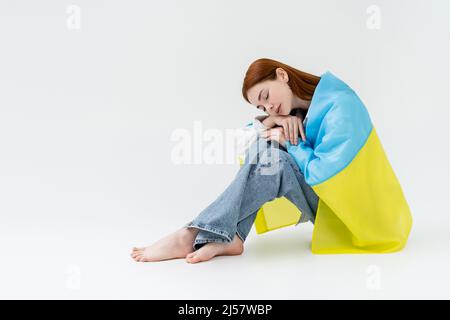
(238, 245)
(187, 234)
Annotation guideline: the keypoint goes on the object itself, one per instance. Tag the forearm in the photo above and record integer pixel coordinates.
(266, 120)
(270, 121)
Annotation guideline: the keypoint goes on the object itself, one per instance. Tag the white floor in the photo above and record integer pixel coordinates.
(67, 260)
(87, 120)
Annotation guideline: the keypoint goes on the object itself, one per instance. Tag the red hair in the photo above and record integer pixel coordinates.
(301, 83)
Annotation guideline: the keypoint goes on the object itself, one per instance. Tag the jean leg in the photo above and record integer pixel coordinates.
(309, 196)
(257, 182)
(204, 236)
(245, 225)
(243, 229)
(218, 221)
(278, 176)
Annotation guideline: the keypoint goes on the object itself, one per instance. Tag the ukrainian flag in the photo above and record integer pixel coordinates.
(362, 208)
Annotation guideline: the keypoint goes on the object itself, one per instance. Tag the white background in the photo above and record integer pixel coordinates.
(86, 117)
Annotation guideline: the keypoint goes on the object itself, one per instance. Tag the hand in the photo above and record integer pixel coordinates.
(292, 127)
(301, 117)
(275, 134)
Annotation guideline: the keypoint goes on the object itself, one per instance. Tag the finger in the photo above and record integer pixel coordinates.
(302, 130)
(265, 133)
(286, 130)
(295, 130)
(292, 132)
(269, 134)
(276, 135)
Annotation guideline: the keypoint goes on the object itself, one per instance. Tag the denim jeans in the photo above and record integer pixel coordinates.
(268, 172)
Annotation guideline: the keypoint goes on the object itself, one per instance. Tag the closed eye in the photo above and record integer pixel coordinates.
(263, 108)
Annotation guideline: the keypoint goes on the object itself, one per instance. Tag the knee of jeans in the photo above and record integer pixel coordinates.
(271, 164)
(274, 156)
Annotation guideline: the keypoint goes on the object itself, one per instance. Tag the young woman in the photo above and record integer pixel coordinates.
(330, 164)
(284, 94)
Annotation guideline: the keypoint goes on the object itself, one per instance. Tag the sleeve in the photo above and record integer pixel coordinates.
(304, 155)
(248, 134)
(342, 132)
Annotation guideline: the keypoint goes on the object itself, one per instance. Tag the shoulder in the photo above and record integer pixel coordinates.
(347, 103)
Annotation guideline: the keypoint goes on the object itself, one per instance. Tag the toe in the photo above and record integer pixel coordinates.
(195, 259)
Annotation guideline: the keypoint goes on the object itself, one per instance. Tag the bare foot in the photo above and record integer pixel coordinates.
(212, 249)
(175, 245)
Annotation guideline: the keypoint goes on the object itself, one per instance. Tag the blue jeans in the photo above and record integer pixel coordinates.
(268, 172)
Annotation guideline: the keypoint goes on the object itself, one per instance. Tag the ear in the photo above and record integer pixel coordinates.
(282, 74)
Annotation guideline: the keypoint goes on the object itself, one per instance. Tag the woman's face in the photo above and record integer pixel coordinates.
(274, 97)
